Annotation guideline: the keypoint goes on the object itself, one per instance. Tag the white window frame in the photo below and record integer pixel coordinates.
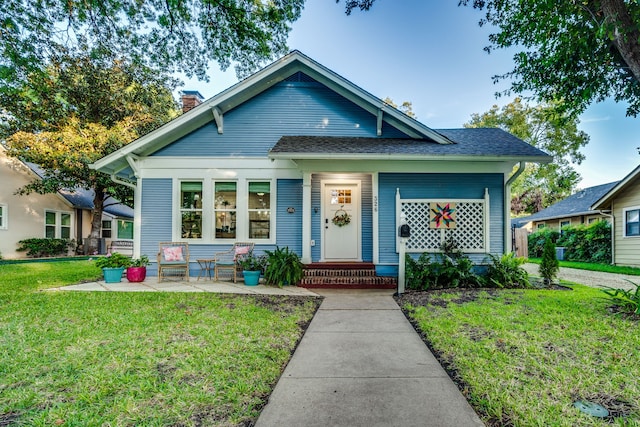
(58, 223)
(103, 229)
(247, 223)
(4, 216)
(208, 211)
(624, 221)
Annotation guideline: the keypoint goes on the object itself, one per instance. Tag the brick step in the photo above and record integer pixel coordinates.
(344, 273)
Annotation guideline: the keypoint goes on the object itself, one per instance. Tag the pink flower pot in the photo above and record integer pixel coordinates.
(136, 274)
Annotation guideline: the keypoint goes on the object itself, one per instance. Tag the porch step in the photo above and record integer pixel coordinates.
(339, 275)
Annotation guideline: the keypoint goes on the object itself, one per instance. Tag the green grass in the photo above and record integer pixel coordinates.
(127, 359)
(607, 268)
(524, 357)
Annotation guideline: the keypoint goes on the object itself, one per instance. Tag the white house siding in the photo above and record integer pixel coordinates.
(627, 249)
(24, 215)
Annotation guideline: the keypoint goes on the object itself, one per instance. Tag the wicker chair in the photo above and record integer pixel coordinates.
(173, 260)
(230, 260)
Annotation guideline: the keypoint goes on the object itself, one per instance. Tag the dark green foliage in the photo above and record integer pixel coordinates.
(538, 239)
(45, 247)
(507, 272)
(283, 267)
(252, 262)
(451, 269)
(627, 300)
(549, 265)
(587, 243)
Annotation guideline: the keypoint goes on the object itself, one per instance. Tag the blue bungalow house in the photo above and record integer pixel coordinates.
(296, 155)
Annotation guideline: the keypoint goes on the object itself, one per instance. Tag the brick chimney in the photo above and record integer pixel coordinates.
(190, 99)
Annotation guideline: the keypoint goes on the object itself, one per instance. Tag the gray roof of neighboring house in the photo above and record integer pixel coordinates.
(577, 204)
(81, 198)
(490, 142)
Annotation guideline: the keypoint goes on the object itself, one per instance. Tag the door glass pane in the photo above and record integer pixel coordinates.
(340, 196)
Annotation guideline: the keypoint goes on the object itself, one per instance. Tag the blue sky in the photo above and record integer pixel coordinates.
(431, 53)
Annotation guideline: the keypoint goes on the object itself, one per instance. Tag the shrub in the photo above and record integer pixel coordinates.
(42, 247)
(627, 300)
(283, 267)
(549, 265)
(587, 243)
(506, 272)
(114, 260)
(537, 239)
(451, 269)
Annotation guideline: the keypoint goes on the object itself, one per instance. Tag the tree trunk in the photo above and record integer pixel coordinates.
(96, 221)
(626, 34)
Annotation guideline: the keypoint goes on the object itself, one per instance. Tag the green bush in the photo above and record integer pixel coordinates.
(587, 243)
(537, 239)
(283, 267)
(506, 272)
(549, 265)
(38, 248)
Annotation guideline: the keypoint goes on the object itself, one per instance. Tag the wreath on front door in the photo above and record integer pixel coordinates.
(341, 217)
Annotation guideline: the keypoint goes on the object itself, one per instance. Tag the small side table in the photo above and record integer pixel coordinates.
(206, 265)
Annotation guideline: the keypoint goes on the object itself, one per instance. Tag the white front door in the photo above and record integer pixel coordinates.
(341, 221)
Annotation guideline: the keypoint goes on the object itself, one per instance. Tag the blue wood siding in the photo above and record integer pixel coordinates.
(289, 225)
(156, 215)
(288, 108)
(440, 186)
(366, 219)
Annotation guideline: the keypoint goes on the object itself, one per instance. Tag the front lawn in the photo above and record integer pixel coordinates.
(106, 358)
(523, 357)
(606, 268)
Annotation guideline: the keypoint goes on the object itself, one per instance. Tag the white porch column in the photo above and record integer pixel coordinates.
(306, 217)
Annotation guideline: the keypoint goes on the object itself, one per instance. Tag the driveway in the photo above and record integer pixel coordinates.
(595, 279)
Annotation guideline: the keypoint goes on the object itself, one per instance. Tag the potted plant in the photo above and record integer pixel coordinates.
(283, 267)
(137, 271)
(113, 266)
(252, 268)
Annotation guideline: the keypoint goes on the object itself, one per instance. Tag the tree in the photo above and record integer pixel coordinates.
(83, 108)
(406, 107)
(547, 128)
(577, 51)
(549, 264)
(173, 35)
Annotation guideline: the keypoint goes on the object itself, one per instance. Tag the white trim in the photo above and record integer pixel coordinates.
(624, 222)
(375, 218)
(4, 218)
(137, 221)
(306, 218)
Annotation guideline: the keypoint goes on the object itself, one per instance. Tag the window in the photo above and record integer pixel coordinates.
(57, 225)
(564, 224)
(259, 210)
(224, 205)
(106, 229)
(540, 225)
(191, 209)
(3, 217)
(125, 229)
(632, 222)
(592, 220)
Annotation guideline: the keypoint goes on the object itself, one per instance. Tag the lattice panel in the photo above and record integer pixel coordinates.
(469, 231)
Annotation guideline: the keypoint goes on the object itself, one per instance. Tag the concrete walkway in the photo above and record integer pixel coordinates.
(595, 279)
(151, 285)
(361, 363)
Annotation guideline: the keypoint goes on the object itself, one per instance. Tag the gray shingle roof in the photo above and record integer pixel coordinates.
(467, 142)
(576, 204)
(81, 198)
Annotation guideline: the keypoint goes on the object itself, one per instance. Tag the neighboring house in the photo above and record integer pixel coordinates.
(574, 210)
(622, 201)
(296, 155)
(66, 214)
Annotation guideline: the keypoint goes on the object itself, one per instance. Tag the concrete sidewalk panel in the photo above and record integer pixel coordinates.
(367, 402)
(358, 302)
(359, 321)
(372, 354)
